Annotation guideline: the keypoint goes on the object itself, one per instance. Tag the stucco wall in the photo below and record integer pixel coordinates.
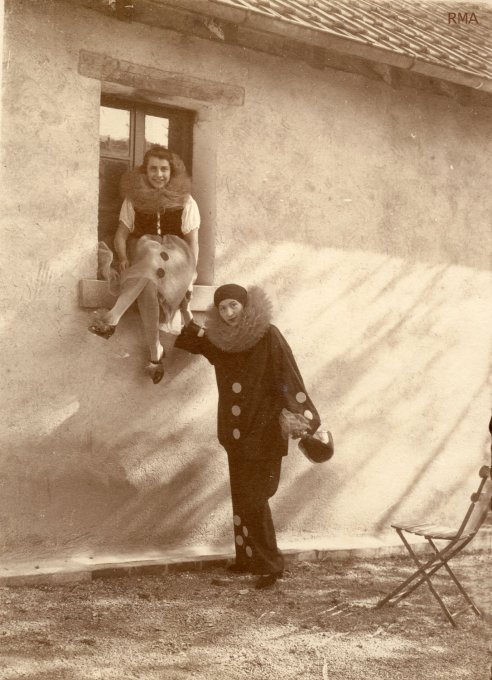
(363, 210)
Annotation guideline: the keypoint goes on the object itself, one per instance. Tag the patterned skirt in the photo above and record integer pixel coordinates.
(166, 261)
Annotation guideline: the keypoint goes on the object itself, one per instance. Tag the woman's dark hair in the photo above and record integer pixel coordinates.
(158, 151)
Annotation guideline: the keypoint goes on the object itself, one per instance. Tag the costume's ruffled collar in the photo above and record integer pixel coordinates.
(253, 325)
(146, 199)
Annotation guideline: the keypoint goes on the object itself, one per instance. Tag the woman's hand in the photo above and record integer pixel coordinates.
(298, 434)
(123, 264)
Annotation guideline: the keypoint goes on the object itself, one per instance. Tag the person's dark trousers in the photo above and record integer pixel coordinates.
(253, 482)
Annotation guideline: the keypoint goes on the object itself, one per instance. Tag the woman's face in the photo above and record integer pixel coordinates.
(230, 311)
(158, 172)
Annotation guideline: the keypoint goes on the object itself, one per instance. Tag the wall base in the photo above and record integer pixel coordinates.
(79, 568)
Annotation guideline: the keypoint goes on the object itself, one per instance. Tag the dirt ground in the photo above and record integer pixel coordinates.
(319, 622)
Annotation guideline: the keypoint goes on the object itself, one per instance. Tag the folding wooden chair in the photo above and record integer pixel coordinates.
(457, 540)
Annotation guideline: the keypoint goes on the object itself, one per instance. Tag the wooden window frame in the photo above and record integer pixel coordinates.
(181, 122)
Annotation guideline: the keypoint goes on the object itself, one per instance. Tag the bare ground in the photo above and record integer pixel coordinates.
(319, 622)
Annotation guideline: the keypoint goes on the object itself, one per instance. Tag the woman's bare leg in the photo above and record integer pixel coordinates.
(148, 306)
(132, 288)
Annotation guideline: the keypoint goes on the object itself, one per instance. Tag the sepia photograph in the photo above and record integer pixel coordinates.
(246, 324)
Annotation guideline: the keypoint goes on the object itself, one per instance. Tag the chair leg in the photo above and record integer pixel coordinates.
(421, 571)
(454, 578)
(400, 590)
(449, 552)
(427, 580)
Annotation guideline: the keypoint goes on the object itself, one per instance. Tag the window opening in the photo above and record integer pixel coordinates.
(126, 130)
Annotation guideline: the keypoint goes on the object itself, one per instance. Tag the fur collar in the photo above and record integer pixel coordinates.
(252, 326)
(146, 199)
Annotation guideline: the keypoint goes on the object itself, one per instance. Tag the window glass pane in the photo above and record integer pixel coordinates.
(114, 132)
(156, 131)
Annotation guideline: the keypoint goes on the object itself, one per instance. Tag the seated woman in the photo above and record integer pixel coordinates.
(157, 247)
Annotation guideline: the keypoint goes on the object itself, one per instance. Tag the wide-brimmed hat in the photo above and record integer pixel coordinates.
(315, 449)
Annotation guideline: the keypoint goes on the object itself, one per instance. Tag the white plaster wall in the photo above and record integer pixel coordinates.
(362, 209)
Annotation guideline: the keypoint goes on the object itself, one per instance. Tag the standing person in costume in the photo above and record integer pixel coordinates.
(262, 400)
(157, 247)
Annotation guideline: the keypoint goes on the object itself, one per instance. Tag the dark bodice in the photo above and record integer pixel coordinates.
(167, 222)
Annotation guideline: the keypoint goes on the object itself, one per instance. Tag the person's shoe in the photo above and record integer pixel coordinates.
(103, 330)
(237, 569)
(99, 326)
(157, 370)
(267, 580)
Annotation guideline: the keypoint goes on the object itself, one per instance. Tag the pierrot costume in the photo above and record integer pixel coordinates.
(258, 383)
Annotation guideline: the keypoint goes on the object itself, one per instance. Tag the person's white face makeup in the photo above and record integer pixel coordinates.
(230, 311)
(158, 172)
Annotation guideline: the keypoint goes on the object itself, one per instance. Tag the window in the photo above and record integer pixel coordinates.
(126, 130)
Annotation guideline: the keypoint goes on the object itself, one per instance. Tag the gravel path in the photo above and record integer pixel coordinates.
(317, 623)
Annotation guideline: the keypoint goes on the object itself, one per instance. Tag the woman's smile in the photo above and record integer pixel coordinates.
(158, 172)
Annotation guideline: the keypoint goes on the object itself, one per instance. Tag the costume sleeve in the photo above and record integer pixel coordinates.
(289, 385)
(127, 214)
(192, 339)
(190, 218)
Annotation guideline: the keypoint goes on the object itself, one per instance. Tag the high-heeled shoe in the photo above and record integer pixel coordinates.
(156, 369)
(103, 330)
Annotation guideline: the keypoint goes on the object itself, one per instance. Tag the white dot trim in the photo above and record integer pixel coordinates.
(236, 387)
(300, 397)
(235, 433)
(236, 410)
(245, 531)
(308, 414)
(239, 540)
(249, 551)
(237, 520)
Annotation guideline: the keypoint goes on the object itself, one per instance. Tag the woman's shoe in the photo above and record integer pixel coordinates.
(99, 326)
(157, 370)
(267, 580)
(103, 330)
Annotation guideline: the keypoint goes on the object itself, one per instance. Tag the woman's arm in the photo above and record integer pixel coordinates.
(300, 413)
(191, 239)
(190, 225)
(120, 240)
(192, 339)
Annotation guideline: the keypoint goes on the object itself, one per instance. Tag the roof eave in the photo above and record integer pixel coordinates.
(264, 24)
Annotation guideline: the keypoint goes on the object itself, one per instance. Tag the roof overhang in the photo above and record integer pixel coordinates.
(228, 24)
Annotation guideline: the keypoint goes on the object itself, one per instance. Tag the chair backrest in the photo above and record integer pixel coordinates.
(480, 504)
